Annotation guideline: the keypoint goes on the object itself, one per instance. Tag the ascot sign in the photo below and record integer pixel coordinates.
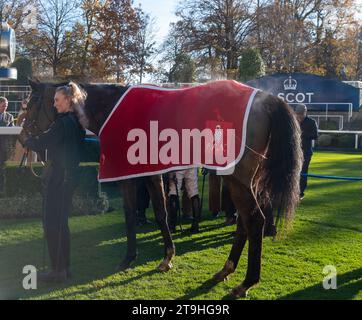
(315, 91)
(291, 97)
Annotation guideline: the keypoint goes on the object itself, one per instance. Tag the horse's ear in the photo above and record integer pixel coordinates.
(34, 83)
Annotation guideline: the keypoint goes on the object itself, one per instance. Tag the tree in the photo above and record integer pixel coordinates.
(183, 70)
(297, 35)
(72, 65)
(21, 16)
(217, 29)
(284, 33)
(52, 42)
(359, 54)
(114, 44)
(91, 9)
(16, 11)
(251, 65)
(144, 46)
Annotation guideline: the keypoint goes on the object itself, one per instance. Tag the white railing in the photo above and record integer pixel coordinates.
(317, 117)
(20, 92)
(14, 89)
(14, 131)
(356, 134)
(327, 106)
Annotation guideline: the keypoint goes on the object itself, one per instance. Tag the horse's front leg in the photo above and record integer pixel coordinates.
(129, 194)
(157, 195)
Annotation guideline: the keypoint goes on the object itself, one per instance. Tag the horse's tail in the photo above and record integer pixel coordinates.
(280, 173)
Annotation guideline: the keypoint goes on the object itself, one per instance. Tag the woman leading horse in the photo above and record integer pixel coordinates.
(63, 141)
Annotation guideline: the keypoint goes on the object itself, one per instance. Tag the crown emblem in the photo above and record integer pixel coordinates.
(290, 84)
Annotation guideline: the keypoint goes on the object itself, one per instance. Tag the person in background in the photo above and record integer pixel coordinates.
(309, 131)
(223, 203)
(191, 186)
(6, 120)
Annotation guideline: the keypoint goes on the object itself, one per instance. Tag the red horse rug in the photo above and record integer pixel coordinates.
(154, 130)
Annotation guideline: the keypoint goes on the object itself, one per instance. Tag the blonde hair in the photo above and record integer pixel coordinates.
(77, 100)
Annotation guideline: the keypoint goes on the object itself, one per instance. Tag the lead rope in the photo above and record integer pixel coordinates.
(257, 153)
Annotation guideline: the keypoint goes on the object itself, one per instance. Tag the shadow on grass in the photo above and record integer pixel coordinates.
(112, 284)
(202, 289)
(92, 261)
(348, 286)
(336, 211)
(331, 225)
(87, 257)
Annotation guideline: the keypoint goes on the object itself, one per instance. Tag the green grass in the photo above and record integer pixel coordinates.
(327, 231)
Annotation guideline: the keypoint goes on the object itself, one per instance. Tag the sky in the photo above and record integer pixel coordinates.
(163, 11)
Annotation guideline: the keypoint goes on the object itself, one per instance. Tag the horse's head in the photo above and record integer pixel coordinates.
(40, 110)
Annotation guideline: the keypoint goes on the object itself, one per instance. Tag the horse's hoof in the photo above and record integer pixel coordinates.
(165, 266)
(225, 272)
(239, 292)
(220, 276)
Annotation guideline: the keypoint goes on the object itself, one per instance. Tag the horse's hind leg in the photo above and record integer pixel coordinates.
(129, 194)
(238, 194)
(157, 194)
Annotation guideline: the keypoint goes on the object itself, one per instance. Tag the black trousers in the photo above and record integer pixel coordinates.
(215, 205)
(143, 197)
(304, 179)
(3, 158)
(58, 190)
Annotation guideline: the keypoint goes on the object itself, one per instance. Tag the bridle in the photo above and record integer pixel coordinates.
(32, 129)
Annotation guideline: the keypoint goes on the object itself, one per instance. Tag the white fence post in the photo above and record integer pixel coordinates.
(356, 141)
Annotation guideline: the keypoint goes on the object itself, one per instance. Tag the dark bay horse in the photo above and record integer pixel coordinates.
(268, 173)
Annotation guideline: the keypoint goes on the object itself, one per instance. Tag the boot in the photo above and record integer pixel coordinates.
(216, 215)
(230, 219)
(196, 213)
(173, 213)
(141, 218)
